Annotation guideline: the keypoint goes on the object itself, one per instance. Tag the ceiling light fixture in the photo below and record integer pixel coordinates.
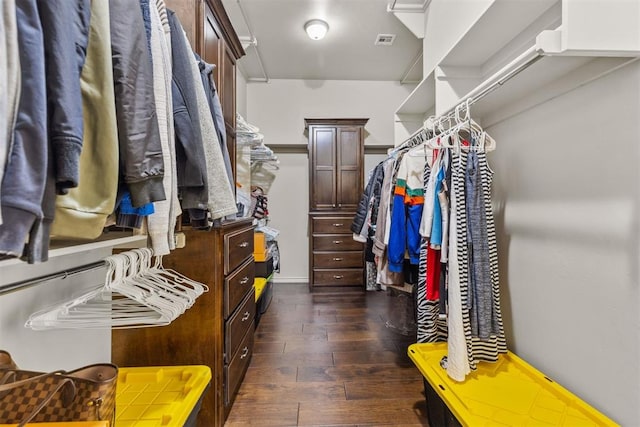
(316, 29)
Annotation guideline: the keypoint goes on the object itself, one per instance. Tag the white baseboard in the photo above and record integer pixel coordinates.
(280, 279)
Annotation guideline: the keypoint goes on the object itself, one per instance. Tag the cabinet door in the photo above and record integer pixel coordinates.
(349, 167)
(323, 168)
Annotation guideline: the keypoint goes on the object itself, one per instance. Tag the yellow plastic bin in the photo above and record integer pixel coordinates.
(509, 392)
(65, 424)
(167, 396)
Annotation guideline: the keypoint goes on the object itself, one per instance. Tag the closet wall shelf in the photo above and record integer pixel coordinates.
(562, 36)
(502, 30)
(421, 99)
(65, 255)
(546, 77)
(60, 248)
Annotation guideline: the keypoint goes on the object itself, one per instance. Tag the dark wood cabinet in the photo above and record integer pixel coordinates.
(218, 330)
(336, 157)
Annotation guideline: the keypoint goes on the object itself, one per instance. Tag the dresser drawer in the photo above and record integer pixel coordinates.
(336, 242)
(236, 327)
(332, 225)
(338, 260)
(338, 277)
(235, 370)
(238, 246)
(236, 286)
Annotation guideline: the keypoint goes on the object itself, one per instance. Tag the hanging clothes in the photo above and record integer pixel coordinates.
(191, 166)
(488, 347)
(26, 171)
(457, 292)
(385, 276)
(457, 363)
(138, 133)
(83, 212)
(406, 213)
(161, 224)
(431, 327)
(10, 83)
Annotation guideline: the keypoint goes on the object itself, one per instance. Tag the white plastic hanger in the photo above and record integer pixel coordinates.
(135, 294)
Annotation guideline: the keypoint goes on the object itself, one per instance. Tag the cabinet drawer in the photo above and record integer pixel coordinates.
(332, 225)
(237, 325)
(235, 370)
(336, 242)
(338, 260)
(236, 286)
(238, 246)
(338, 277)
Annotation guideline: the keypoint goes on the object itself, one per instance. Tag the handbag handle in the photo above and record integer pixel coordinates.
(12, 385)
(6, 361)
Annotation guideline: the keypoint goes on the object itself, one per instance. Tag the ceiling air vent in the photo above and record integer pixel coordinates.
(385, 39)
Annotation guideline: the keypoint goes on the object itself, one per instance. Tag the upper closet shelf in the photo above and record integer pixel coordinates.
(421, 99)
(529, 47)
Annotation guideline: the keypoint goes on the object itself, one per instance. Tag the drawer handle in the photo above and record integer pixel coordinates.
(246, 316)
(338, 276)
(244, 280)
(338, 259)
(245, 352)
(337, 242)
(243, 244)
(337, 224)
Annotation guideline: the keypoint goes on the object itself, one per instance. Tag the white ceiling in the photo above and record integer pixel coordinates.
(346, 53)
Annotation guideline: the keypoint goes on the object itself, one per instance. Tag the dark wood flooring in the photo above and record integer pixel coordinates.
(329, 360)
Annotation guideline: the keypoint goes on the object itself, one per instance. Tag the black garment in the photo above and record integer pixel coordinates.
(374, 187)
(190, 160)
(141, 160)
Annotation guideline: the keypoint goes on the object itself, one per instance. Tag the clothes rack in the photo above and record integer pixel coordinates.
(53, 276)
(497, 80)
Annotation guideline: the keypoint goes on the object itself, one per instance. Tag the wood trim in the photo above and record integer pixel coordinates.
(377, 149)
(290, 148)
(227, 29)
(334, 122)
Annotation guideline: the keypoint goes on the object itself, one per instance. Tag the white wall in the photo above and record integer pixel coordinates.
(52, 349)
(241, 94)
(567, 192)
(279, 108)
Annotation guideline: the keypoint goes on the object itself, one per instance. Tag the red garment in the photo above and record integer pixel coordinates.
(433, 274)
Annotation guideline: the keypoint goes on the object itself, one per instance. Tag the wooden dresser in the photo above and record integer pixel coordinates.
(218, 330)
(336, 157)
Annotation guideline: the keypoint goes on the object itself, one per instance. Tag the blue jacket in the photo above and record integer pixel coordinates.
(25, 174)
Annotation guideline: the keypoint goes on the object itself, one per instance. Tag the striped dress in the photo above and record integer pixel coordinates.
(486, 348)
(430, 327)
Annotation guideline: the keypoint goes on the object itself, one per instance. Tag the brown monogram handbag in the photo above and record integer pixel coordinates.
(85, 394)
(6, 362)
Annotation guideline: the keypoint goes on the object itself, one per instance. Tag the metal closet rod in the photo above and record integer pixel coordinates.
(53, 276)
(506, 73)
